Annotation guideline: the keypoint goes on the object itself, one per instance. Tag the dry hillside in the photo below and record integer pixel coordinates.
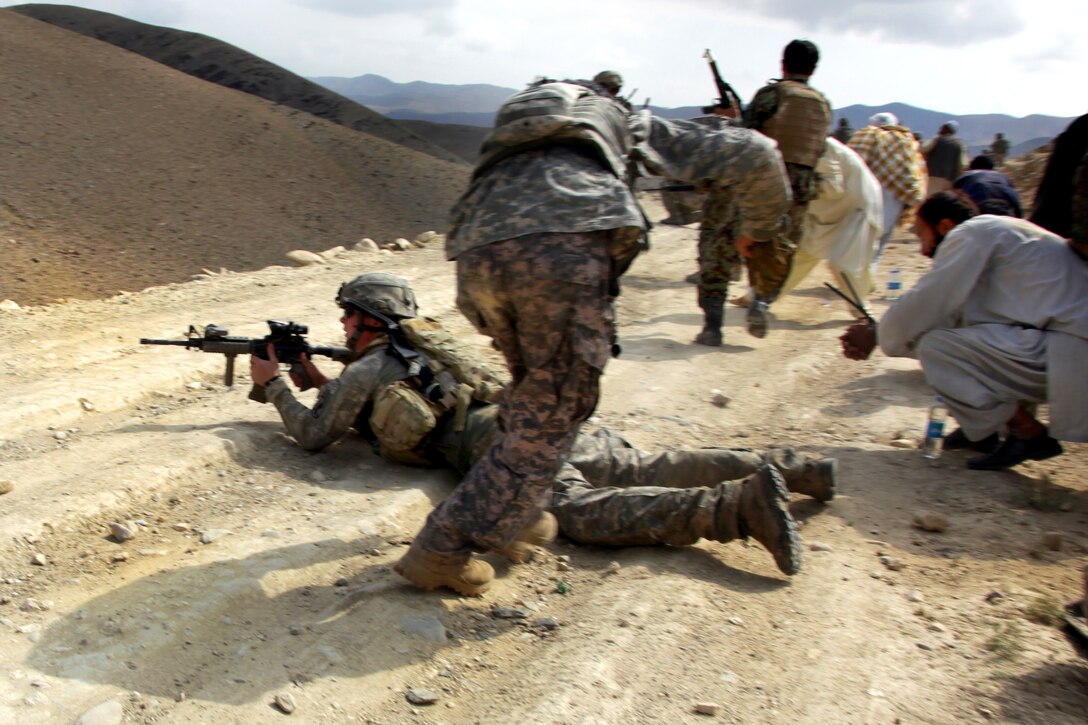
(217, 62)
(120, 173)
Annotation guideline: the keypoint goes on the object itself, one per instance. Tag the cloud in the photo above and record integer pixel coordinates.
(1043, 59)
(373, 8)
(932, 22)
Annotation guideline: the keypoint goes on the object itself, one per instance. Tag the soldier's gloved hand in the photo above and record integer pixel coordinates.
(264, 370)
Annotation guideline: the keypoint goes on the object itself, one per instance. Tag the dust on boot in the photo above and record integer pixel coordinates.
(815, 477)
(756, 508)
(459, 572)
(524, 546)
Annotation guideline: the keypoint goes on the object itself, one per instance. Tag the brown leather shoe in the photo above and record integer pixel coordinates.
(459, 572)
(524, 546)
(763, 516)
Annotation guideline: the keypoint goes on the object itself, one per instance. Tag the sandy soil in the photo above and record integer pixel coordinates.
(294, 593)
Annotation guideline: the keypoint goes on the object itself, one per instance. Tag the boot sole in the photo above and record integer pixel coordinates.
(788, 554)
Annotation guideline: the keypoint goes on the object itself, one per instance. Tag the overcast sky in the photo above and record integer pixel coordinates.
(958, 56)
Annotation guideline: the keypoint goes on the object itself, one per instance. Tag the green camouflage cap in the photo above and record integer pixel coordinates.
(610, 79)
(379, 292)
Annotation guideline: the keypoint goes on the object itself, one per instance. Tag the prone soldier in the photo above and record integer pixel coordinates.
(605, 492)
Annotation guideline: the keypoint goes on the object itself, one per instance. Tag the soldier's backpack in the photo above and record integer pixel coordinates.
(559, 112)
(444, 375)
(446, 354)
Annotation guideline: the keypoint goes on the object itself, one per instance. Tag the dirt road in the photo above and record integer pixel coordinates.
(259, 570)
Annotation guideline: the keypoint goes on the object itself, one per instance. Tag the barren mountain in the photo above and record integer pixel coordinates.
(217, 62)
(120, 173)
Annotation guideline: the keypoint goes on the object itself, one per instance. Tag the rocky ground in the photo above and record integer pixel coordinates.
(258, 578)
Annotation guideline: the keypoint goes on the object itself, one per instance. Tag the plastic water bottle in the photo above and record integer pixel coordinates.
(938, 414)
(894, 285)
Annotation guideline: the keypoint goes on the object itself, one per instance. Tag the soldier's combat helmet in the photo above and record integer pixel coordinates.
(610, 79)
(380, 295)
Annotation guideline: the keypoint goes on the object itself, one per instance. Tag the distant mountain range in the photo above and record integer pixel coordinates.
(475, 105)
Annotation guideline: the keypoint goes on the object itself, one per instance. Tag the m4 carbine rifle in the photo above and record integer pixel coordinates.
(727, 97)
(288, 339)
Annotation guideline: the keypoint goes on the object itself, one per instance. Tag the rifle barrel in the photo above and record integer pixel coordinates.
(179, 343)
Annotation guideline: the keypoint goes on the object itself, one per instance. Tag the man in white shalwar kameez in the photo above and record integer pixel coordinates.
(1000, 322)
(843, 223)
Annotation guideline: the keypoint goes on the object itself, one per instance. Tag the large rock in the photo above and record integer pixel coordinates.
(109, 712)
(304, 258)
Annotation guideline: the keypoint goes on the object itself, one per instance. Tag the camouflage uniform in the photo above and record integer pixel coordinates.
(684, 207)
(540, 239)
(747, 193)
(719, 259)
(544, 300)
(611, 494)
(769, 264)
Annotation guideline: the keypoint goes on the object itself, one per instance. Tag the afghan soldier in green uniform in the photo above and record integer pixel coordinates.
(798, 117)
(719, 262)
(605, 492)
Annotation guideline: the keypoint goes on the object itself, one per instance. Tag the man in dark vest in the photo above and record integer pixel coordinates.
(843, 131)
(798, 117)
(946, 158)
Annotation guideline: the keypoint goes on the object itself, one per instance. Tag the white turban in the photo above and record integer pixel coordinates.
(884, 119)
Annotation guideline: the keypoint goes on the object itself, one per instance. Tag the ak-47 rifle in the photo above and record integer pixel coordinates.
(727, 97)
(288, 339)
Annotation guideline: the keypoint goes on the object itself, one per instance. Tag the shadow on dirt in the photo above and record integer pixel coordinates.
(232, 631)
(874, 393)
(688, 562)
(1053, 693)
(237, 630)
(989, 515)
(349, 464)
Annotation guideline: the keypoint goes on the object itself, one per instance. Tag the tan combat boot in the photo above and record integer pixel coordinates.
(806, 476)
(817, 479)
(460, 572)
(762, 515)
(524, 546)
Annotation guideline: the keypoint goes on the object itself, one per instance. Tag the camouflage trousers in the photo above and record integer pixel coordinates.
(544, 300)
(769, 265)
(683, 206)
(719, 261)
(611, 494)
